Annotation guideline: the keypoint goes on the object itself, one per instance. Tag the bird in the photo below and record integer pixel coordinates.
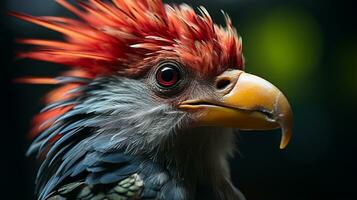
(147, 105)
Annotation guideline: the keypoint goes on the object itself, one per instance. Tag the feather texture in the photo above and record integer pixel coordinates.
(126, 36)
(102, 125)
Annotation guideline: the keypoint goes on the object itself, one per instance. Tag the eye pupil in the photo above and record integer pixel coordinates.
(168, 75)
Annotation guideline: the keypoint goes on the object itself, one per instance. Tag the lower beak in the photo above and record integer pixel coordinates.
(251, 104)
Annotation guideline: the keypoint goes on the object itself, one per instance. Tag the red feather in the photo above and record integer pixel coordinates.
(128, 38)
(45, 119)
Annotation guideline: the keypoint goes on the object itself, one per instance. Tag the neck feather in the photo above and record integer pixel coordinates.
(199, 156)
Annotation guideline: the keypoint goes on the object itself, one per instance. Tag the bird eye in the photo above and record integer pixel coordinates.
(168, 74)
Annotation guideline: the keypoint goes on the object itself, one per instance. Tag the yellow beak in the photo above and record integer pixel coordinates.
(251, 103)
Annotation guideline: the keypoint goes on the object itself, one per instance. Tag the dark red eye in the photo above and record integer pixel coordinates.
(168, 75)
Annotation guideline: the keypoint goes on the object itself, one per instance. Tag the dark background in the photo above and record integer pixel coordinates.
(307, 48)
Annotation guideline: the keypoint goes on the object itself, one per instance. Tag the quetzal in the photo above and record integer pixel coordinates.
(149, 104)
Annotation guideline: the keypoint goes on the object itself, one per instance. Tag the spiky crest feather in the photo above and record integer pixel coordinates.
(127, 37)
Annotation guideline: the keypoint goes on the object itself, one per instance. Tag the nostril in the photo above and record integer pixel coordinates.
(223, 83)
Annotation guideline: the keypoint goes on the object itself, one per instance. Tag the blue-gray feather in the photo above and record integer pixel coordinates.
(116, 129)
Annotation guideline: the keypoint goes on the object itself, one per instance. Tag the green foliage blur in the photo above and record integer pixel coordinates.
(285, 45)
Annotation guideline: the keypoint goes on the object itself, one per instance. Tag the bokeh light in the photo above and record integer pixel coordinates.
(285, 46)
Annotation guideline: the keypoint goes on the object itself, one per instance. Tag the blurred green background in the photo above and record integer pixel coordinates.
(306, 48)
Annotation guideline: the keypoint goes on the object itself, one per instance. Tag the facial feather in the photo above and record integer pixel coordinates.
(107, 103)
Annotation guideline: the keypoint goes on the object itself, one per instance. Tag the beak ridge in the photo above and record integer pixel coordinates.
(252, 104)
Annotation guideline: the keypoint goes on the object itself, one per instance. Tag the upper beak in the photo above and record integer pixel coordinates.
(251, 103)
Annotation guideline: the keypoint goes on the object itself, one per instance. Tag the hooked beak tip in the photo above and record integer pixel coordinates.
(252, 104)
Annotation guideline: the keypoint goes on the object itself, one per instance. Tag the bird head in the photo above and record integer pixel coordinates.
(142, 73)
